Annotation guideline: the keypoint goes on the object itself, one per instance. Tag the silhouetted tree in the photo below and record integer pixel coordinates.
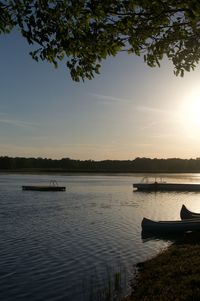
(85, 32)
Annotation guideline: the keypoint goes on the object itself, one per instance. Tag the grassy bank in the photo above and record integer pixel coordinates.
(174, 274)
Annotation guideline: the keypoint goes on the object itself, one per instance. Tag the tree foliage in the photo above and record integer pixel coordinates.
(85, 32)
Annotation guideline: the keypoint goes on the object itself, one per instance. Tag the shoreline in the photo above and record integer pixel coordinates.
(63, 171)
(173, 274)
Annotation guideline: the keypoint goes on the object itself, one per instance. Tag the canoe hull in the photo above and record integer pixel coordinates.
(170, 226)
(187, 214)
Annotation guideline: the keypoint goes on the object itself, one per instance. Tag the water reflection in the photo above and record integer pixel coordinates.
(169, 237)
(52, 242)
(189, 237)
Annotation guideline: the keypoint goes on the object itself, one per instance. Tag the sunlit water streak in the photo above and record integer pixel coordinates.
(56, 245)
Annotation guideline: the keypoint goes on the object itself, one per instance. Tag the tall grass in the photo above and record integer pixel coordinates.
(112, 288)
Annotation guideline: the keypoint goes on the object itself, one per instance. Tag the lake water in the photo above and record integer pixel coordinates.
(64, 245)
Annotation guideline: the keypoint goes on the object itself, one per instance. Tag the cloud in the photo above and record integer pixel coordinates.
(155, 118)
(19, 123)
(152, 110)
(109, 99)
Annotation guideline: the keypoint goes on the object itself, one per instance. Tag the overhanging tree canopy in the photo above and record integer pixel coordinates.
(84, 32)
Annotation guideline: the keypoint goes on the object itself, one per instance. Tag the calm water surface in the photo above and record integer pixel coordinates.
(58, 245)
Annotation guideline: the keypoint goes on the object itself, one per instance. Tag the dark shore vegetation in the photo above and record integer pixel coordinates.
(174, 274)
(143, 165)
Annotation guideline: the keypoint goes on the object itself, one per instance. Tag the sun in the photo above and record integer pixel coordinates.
(191, 111)
(187, 115)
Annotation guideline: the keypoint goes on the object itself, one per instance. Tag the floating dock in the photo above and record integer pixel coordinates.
(53, 186)
(44, 188)
(163, 186)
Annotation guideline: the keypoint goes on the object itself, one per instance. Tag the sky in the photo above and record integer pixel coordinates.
(130, 110)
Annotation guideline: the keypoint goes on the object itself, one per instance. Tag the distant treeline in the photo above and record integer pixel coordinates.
(69, 165)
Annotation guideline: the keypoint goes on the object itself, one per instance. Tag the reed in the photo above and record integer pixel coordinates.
(112, 288)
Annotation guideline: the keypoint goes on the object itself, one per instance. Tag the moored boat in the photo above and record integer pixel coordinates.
(185, 213)
(151, 226)
(53, 186)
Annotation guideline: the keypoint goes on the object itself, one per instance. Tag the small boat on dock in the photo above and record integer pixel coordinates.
(177, 226)
(146, 185)
(185, 213)
(53, 186)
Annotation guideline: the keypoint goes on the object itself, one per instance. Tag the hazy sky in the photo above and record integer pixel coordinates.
(129, 110)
